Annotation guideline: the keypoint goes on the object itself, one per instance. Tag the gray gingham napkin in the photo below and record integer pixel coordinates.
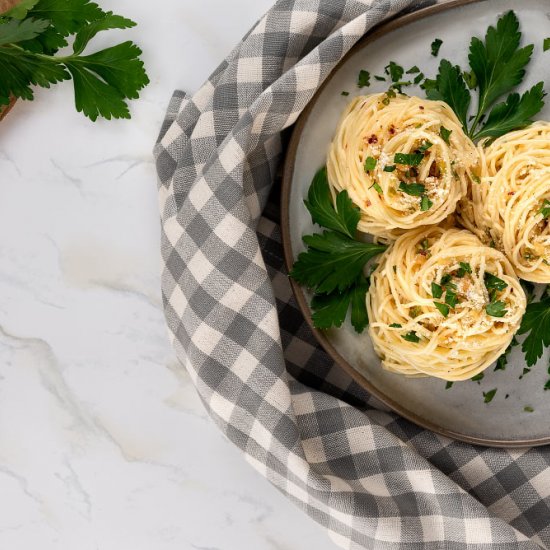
(371, 478)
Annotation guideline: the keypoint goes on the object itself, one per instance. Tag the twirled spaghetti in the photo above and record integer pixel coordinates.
(404, 161)
(443, 304)
(510, 205)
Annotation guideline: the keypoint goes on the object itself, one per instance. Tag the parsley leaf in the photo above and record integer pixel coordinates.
(443, 308)
(545, 209)
(451, 298)
(478, 377)
(370, 164)
(414, 189)
(363, 79)
(498, 63)
(496, 309)
(445, 134)
(108, 21)
(395, 325)
(488, 396)
(546, 44)
(463, 269)
(411, 337)
(331, 309)
(437, 291)
(344, 218)
(528, 409)
(451, 88)
(412, 159)
(436, 44)
(513, 114)
(103, 80)
(395, 71)
(448, 385)
(389, 168)
(493, 282)
(13, 31)
(536, 321)
(425, 203)
(333, 261)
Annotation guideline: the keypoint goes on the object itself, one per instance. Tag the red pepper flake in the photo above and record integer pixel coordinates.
(511, 193)
(391, 130)
(367, 203)
(373, 139)
(421, 107)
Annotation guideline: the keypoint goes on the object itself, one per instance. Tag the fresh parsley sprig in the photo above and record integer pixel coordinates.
(497, 67)
(536, 322)
(333, 265)
(34, 31)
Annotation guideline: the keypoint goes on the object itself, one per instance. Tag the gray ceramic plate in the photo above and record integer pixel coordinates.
(459, 412)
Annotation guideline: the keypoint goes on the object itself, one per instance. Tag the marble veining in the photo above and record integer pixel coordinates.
(104, 444)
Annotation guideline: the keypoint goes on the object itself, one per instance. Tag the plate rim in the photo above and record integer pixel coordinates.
(288, 171)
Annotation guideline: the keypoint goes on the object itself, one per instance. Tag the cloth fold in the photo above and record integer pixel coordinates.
(374, 480)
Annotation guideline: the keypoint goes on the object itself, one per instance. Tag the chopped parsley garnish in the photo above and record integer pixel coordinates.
(395, 325)
(488, 396)
(497, 67)
(377, 188)
(389, 168)
(344, 93)
(411, 337)
(413, 70)
(394, 70)
(437, 291)
(546, 44)
(496, 309)
(380, 78)
(493, 282)
(425, 244)
(413, 189)
(545, 209)
(443, 308)
(448, 385)
(451, 298)
(463, 269)
(370, 164)
(418, 78)
(425, 203)
(477, 377)
(528, 409)
(445, 134)
(334, 261)
(412, 159)
(363, 79)
(436, 44)
(547, 385)
(425, 146)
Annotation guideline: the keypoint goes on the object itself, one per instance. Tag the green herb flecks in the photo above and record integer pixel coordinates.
(370, 164)
(411, 337)
(413, 189)
(496, 309)
(436, 45)
(489, 395)
(363, 79)
(408, 159)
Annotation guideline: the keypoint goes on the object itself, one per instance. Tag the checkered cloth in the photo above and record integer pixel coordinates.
(371, 478)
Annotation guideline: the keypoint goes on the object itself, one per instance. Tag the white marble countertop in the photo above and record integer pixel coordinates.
(104, 444)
